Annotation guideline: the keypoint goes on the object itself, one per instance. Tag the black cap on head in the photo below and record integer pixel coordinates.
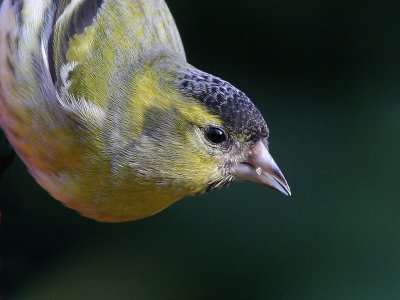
(235, 109)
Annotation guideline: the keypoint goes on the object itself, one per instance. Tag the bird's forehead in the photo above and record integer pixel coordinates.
(234, 108)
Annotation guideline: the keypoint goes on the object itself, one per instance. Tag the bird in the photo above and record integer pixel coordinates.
(98, 100)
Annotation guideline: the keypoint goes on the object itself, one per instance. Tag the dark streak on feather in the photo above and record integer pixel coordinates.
(83, 16)
(18, 5)
(61, 5)
(10, 65)
(8, 38)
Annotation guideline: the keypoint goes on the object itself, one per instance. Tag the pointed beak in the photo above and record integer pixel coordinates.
(260, 167)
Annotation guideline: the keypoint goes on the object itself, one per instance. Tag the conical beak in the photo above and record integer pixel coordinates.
(260, 167)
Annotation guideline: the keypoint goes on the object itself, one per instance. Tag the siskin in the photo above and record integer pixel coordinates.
(98, 100)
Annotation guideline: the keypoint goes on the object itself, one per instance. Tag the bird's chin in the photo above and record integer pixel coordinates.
(260, 167)
(225, 181)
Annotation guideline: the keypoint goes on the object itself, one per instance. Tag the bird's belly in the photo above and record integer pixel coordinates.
(82, 180)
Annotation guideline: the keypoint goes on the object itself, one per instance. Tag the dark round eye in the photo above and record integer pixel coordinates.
(215, 135)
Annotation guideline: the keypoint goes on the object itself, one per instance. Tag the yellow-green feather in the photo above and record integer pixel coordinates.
(106, 165)
(139, 28)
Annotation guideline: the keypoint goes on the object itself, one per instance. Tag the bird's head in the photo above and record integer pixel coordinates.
(200, 133)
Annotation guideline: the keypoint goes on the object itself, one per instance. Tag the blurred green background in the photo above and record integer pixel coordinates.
(326, 76)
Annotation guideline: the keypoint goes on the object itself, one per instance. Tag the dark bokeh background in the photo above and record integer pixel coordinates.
(326, 76)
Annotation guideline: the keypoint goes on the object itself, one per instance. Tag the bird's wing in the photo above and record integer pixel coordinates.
(97, 26)
(66, 52)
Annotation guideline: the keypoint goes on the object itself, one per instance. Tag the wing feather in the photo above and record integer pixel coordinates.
(135, 26)
(66, 52)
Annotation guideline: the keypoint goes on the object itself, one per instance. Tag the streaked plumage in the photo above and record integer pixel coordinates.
(98, 100)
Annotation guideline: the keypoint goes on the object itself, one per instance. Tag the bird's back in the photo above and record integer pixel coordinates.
(46, 42)
(59, 63)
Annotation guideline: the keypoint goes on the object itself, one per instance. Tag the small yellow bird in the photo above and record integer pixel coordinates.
(98, 100)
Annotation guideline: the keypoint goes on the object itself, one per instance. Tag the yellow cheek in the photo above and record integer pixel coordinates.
(148, 92)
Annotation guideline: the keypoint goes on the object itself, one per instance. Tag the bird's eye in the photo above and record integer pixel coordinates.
(215, 135)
